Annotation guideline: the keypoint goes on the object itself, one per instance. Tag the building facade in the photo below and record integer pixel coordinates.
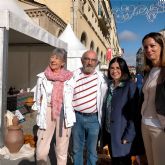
(139, 61)
(92, 21)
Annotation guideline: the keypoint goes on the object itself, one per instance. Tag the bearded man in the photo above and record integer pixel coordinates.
(84, 96)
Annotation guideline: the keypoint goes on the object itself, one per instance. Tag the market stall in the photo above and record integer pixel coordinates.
(24, 50)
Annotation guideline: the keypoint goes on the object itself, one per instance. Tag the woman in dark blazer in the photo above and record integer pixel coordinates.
(119, 112)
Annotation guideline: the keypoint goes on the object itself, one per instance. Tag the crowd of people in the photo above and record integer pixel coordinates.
(87, 107)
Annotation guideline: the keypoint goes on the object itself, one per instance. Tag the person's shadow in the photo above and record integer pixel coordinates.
(27, 162)
(52, 154)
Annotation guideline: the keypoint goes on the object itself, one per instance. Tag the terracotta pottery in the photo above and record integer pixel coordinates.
(14, 138)
(15, 121)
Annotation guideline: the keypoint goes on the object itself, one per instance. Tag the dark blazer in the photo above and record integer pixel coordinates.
(122, 126)
(160, 97)
(160, 93)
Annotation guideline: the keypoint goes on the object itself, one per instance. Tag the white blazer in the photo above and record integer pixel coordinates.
(41, 91)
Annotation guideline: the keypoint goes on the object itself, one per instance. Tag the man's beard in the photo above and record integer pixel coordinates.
(88, 69)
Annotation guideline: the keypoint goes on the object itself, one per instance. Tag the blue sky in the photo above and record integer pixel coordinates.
(132, 31)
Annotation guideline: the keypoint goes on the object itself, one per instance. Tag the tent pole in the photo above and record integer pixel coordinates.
(3, 80)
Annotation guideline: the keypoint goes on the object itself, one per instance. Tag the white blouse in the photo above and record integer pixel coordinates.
(49, 90)
(149, 116)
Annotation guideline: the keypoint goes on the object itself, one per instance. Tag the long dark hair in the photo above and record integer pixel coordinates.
(125, 74)
(161, 41)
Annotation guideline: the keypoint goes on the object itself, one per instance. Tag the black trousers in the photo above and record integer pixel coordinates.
(125, 160)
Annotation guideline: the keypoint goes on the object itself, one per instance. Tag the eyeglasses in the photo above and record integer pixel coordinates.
(90, 59)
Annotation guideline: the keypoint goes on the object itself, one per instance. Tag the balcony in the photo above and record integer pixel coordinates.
(104, 25)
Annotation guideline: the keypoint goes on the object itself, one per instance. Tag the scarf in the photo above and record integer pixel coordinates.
(58, 86)
(108, 107)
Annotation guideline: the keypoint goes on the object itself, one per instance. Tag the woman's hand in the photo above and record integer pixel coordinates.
(124, 141)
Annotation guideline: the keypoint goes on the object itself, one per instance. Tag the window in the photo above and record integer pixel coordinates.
(83, 38)
(92, 45)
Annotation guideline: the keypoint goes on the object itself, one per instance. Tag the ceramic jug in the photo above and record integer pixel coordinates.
(14, 138)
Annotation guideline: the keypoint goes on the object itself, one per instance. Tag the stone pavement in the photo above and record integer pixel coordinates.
(31, 161)
(23, 161)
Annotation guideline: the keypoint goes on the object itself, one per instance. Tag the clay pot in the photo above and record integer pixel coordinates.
(15, 121)
(14, 138)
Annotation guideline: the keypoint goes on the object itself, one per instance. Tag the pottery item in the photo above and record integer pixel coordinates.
(14, 138)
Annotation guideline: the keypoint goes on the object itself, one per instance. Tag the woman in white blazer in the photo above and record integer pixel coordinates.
(49, 103)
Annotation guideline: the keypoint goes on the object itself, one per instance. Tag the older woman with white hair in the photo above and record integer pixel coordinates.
(49, 103)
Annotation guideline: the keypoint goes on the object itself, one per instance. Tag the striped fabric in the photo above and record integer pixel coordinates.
(84, 99)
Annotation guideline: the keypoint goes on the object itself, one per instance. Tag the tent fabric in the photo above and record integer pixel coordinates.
(70, 38)
(75, 48)
(12, 16)
(13, 6)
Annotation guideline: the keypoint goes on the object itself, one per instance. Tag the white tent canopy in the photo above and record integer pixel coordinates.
(13, 6)
(24, 48)
(75, 48)
(13, 17)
